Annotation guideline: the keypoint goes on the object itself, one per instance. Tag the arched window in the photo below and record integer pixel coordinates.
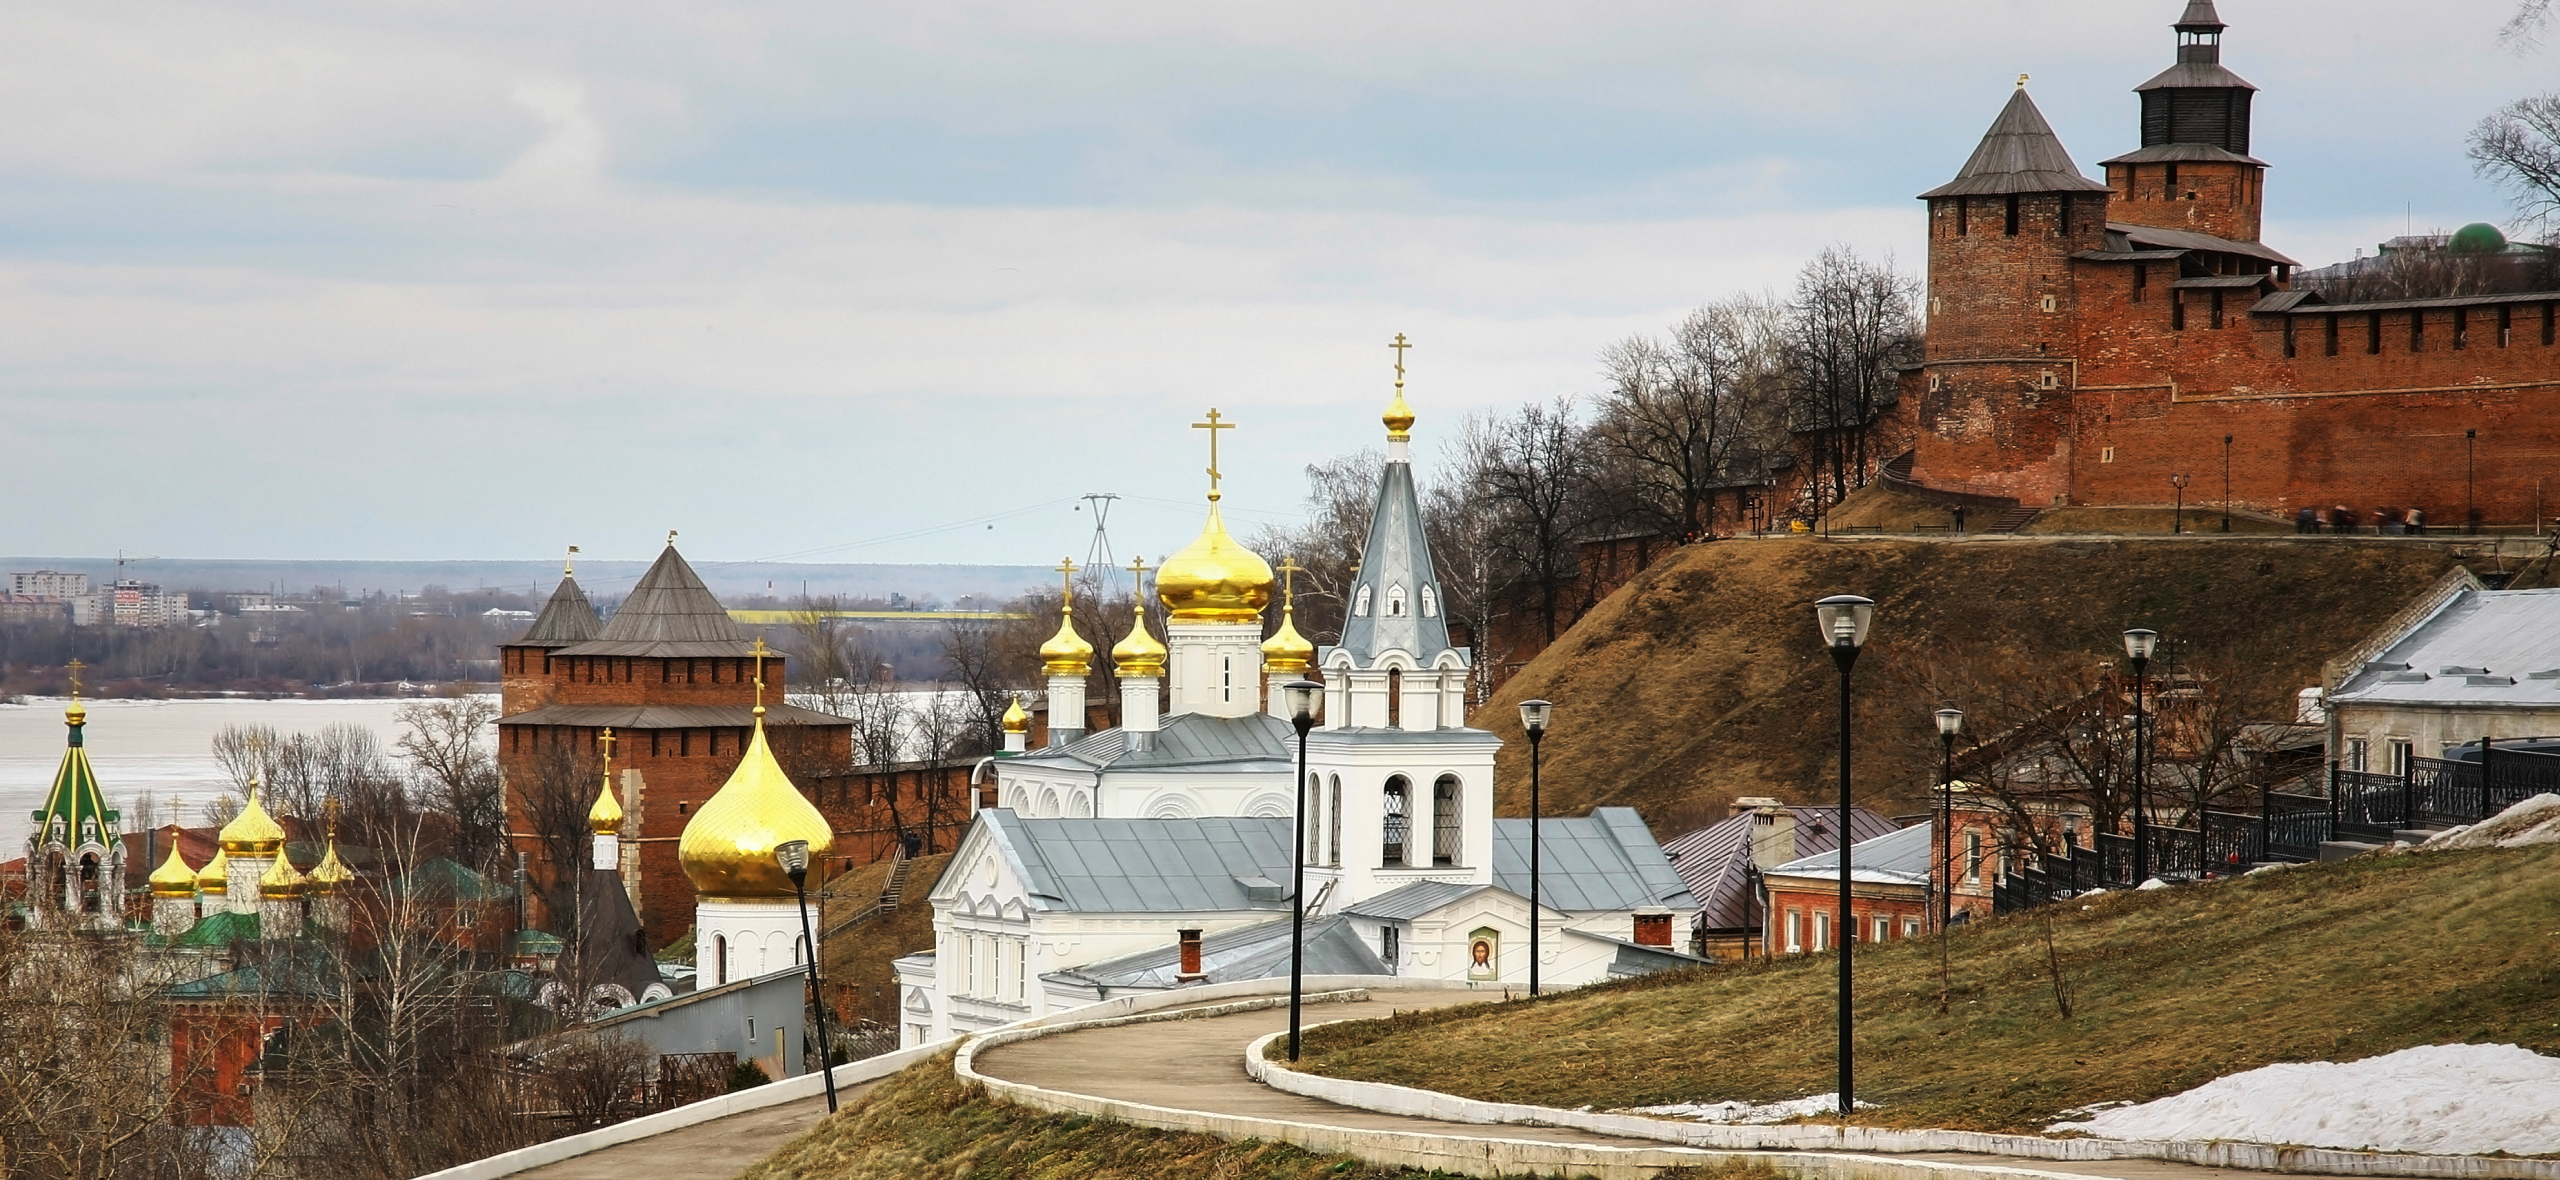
(1444, 820)
(1395, 696)
(1430, 603)
(719, 960)
(1314, 797)
(799, 948)
(1360, 603)
(1395, 602)
(1391, 829)
(1333, 823)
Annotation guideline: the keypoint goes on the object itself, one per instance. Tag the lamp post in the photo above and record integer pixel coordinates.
(1843, 619)
(2138, 644)
(794, 858)
(2178, 515)
(1533, 717)
(1950, 723)
(2226, 483)
(1301, 695)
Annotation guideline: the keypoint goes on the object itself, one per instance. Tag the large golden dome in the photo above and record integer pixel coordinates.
(727, 848)
(252, 832)
(1215, 579)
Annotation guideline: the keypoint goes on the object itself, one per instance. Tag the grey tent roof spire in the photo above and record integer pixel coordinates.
(669, 614)
(2200, 17)
(1396, 600)
(2020, 154)
(566, 619)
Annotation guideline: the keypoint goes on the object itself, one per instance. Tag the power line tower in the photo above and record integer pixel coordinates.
(1097, 556)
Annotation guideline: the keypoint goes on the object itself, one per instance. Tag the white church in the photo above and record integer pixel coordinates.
(1157, 853)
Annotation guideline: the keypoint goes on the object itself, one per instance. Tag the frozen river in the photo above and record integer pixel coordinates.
(164, 747)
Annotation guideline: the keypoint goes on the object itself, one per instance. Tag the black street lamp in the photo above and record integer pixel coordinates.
(2226, 483)
(2178, 515)
(1533, 717)
(1950, 723)
(1843, 619)
(1301, 696)
(2138, 644)
(794, 858)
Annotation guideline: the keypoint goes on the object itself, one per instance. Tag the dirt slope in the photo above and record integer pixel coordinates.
(1702, 679)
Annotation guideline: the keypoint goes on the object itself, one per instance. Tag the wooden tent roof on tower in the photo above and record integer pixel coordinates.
(670, 614)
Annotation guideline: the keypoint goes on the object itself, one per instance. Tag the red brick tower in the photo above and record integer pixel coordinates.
(2002, 347)
(2194, 171)
(525, 680)
(675, 679)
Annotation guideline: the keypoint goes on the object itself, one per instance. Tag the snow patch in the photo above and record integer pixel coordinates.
(2443, 1099)
(1748, 1112)
(2530, 821)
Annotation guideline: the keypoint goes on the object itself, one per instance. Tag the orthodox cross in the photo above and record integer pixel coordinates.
(1400, 346)
(1213, 426)
(1067, 578)
(332, 808)
(606, 740)
(1289, 571)
(1138, 576)
(759, 651)
(75, 666)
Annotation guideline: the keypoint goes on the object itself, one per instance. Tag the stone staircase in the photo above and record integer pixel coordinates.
(888, 900)
(2011, 520)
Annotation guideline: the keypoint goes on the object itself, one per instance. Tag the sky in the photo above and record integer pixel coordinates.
(860, 281)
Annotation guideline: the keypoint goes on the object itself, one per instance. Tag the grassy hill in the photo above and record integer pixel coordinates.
(2169, 988)
(861, 956)
(1702, 679)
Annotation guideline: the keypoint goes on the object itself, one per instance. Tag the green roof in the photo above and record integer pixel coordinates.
(2477, 238)
(75, 811)
(221, 929)
(443, 879)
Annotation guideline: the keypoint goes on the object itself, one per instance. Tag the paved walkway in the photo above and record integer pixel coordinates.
(715, 1150)
(1199, 1065)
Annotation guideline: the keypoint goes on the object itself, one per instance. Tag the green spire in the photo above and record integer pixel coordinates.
(75, 811)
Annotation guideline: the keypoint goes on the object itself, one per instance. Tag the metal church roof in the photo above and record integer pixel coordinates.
(1253, 743)
(669, 614)
(2020, 154)
(1607, 860)
(75, 812)
(1258, 951)
(1397, 603)
(1146, 865)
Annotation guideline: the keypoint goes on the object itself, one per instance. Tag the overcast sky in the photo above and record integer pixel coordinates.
(895, 282)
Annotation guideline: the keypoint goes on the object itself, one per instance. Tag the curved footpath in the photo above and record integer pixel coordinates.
(1190, 1075)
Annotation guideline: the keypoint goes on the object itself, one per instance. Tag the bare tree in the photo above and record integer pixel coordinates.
(2523, 31)
(2518, 148)
(1850, 326)
(456, 774)
(88, 1083)
(1533, 467)
(988, 663)
(1341, 494)
(1678, 415)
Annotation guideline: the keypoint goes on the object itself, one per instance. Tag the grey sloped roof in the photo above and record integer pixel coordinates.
(1606, 860)
(1715, 861)
(2206, 282)
(2199, 15)
(1192, 742)
(2285, 301)
(2185, 239)
(566, 619)
(1124, 866)
(1899, 857)
(1258, 951)
(632, 717)
(2196, 75)
(669, 614)
(2020, 154)
(1407, 902)
(2183, 153)
(2482, 649)
(1397, 554)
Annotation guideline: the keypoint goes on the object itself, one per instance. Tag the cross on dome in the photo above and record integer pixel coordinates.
(1213, 426)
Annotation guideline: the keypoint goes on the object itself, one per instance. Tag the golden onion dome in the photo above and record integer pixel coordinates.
(173, 878)
(1066, 653)
(605, 818)
(1215, 579)
(253, 832)
(282, 880)
(1399, 416)
(727, 848)
(215, 877)
(77, 715)
(1016, 718)
(330, 873)
(1286, 650)
(1139, 654)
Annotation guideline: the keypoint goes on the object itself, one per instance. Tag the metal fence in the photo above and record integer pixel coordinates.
(2361, 806)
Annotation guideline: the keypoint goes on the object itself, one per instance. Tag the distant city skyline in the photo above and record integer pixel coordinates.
(896, 282)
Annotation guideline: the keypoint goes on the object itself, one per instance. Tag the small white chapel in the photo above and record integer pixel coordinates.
(1158, 853)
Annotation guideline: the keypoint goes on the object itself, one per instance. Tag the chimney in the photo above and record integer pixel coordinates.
(1190, 972)
(2311, 706)
(1748, 803)
(1773, 835)
(1653, 928)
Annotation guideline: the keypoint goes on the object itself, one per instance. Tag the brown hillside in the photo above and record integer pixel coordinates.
(1702, 679)
(858, 959)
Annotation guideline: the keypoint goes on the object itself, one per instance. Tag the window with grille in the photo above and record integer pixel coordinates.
(1444, 820)
(1392, 824)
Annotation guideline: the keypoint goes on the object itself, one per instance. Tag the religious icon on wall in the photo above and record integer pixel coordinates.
(1484, 953)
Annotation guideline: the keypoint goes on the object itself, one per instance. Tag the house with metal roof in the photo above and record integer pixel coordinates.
(1889, 893)
(1722, 863)
(2468, 663)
